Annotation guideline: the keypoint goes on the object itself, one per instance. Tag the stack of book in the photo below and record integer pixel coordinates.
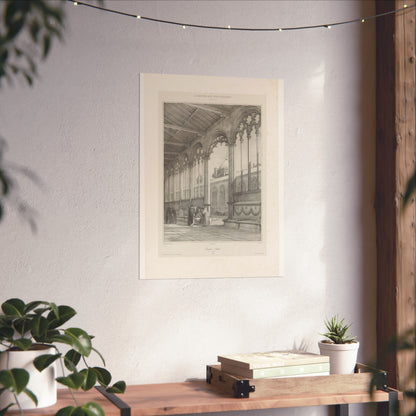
(275, 364)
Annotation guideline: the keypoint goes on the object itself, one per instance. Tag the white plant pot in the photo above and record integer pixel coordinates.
(42, 384)
(342, 357)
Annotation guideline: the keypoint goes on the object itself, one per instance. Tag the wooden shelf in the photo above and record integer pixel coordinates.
(197, 396)
(200, 397)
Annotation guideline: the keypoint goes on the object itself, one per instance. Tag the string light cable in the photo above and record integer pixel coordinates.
(185, 25)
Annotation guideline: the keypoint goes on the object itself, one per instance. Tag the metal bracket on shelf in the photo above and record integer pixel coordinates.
(393, 402)
(380, 377)
(341, 410)
(242, 389)
(208, 375)
(125, 409)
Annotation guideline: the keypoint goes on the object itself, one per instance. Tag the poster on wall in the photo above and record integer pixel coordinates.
(211, 177)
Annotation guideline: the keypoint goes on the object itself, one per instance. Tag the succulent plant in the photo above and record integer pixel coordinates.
(337, 331)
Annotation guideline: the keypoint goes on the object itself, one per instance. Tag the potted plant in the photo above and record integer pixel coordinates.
(341, 347)
(34, 331)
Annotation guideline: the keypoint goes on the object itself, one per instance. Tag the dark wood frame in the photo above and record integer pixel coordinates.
(395, 163)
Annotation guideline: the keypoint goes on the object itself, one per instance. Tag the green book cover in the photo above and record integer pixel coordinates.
(282, 371)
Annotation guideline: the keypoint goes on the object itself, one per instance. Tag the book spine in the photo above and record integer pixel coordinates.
(285, 371)
(235, 363)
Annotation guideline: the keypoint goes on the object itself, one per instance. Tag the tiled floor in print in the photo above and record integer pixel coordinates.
(175, 232)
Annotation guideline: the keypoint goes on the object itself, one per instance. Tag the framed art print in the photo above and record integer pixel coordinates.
(211, 182)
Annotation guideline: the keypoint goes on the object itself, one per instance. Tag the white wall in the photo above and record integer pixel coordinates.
(78, 129)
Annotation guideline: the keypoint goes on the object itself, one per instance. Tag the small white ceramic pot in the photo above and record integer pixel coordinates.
(342, 357)
(42, 384)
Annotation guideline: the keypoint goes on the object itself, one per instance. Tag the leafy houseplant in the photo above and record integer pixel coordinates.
(31, 326)
(340, 346)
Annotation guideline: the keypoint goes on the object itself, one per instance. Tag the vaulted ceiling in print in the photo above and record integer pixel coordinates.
(185, 123)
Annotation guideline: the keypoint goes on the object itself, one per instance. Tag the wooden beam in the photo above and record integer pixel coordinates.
(182, 128)
(395, 163)
(207, 107)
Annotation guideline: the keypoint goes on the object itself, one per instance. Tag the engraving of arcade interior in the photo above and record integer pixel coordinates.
(212, 166)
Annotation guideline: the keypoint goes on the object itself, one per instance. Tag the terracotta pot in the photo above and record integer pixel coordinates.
(342, 357)
(42, 384)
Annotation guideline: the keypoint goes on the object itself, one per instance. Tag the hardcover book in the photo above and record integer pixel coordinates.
(257, 360)
(282, 371)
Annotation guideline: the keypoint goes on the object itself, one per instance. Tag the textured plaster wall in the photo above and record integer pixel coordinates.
(78, 129)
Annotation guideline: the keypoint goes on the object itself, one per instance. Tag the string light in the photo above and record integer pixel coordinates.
(247, 29)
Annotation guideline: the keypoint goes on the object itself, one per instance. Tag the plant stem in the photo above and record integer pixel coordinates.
(63, 373)
(18, 403)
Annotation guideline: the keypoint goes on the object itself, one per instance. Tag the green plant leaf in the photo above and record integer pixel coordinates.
(31, 396)
(22, 343)
(93, 409)
(410, 393)
(73, 381)
(59, 315)
(77, 338)
(44, 361)
(22, 325)
(54, 309)
(337, 331)
(103, 376)
(6, 184)
(410, 189)
(33, 305)
(50, 335)
(119, 387)
(46, 45)
(71, 360)
(34, 29)
(14, 380)
(28, 78)
(6, 332)
(90, 379)
(39, 327)
(65, 411)
(13, 307)
(98, 353)
(15, 28)
(88, 409)
(4, 411)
